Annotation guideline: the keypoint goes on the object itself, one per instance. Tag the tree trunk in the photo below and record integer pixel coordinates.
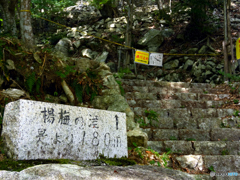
(8, 10)
(26, 26)
(128, 38)
(159, 4)
(232, 64)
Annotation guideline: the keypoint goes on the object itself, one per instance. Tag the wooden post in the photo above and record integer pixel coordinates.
(224, 44)
(229, 35)
(119, 58)
(135, 68)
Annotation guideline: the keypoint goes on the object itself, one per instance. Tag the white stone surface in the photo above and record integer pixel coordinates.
(39, 130)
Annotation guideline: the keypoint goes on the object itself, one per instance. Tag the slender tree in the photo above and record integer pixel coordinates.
(128, 36)
(8, 10)
(26, 26)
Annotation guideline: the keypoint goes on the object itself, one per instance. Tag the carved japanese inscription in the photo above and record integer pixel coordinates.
(54, 131)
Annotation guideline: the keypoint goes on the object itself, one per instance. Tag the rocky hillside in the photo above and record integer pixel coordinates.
(164, 34)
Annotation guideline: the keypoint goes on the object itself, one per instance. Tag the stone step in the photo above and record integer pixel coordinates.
(168, 104)
(220, 164)
(166, 84)
(218, 134)
(170, 91)
(192, 123)
(196, 147)
(176, 113)
(164, 94)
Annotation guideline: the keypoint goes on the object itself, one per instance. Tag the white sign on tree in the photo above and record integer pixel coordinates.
(39, 130)
(155, 59)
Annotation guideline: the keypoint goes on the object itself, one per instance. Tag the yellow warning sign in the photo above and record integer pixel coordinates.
(238, 48)
(141, 57)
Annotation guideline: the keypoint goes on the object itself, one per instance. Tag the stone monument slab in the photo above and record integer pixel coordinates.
(40, 130)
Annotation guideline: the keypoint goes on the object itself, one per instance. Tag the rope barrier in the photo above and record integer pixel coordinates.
(167, 54)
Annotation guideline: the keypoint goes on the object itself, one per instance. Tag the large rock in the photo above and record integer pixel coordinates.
(74, 172)
(10, 65)
(13, 93)
(102, 57)
(39, 130)
(89, 53)
(63, 46)
(194, 162)
(137, 136)
(152, 39)
(171, 65)
(188, 64)
(115, 102)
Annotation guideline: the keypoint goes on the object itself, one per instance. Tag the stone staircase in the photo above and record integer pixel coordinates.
(191, 123)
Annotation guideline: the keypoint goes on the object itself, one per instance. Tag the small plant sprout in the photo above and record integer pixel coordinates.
(211, 168)
(173, 138)
(225, 152)
(236, 113)
(152, 116)
(235, 101)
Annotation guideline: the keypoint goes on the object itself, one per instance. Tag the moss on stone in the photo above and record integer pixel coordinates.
(117, 161)
(12, 165)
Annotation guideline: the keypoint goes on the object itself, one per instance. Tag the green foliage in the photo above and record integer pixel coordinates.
(78, 90)
(211, 168)
(152, 116)
(65, 71)
(134, 144)
(120, 87)
(87, 86)
(173, 138)
(121, 73)
(190, 139)
(230, 76)
(235, 101)
(140, 120)
(236, 113)
(38, 85)
(138, 150)
(30, 81)
(205, 92)
(49, 7)
(225, 152)
(165, 157)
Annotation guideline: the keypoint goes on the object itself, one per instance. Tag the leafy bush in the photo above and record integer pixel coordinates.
(87, 86)
(152, 116)
(31, 80)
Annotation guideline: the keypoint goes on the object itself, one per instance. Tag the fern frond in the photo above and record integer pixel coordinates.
(38, 85)
(30, 81)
